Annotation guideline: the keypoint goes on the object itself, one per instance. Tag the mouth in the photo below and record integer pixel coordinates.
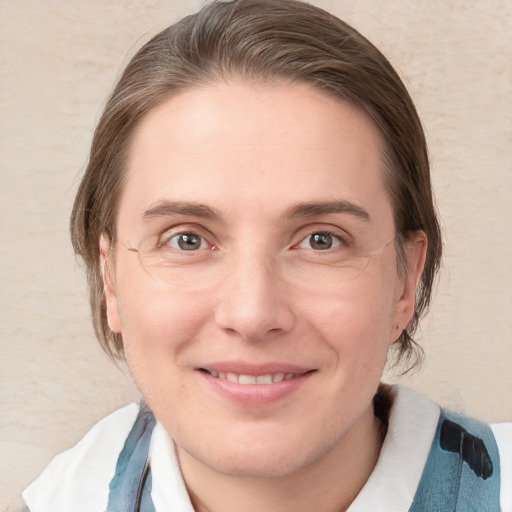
(241, 378)
(253, 385)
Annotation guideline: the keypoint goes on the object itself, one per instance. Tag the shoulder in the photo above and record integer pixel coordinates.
(80, 476)
(462, 470)
(417, 465)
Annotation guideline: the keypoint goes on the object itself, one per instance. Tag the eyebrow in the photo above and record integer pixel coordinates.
(321, 208)
(166, 208)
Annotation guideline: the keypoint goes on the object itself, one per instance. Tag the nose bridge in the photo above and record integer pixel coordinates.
(253, 300)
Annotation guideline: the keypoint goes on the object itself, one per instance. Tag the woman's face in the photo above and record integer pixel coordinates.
(254, 327)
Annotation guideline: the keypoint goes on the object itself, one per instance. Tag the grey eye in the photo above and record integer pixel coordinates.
(187, 241)
(320, 241)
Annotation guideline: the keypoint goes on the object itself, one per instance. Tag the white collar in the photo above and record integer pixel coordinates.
(168, 489)
(395, 478)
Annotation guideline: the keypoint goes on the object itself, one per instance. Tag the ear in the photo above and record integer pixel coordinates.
(109, 290)
(415, 252)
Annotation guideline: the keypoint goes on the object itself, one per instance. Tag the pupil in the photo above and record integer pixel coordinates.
(321, 241)
(189, 242)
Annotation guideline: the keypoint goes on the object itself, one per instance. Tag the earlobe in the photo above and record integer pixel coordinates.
(415, 251)
(109, 290)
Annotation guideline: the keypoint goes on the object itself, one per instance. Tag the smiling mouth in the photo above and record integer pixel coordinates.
(268, 378)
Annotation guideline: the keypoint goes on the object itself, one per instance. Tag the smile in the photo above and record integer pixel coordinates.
(268, 378)
(254, 385)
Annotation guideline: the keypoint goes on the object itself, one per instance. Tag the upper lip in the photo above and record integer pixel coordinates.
(244, 368)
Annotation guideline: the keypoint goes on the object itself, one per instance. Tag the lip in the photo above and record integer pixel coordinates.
(254, 394)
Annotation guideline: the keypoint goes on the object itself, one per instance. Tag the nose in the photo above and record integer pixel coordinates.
(254, 302)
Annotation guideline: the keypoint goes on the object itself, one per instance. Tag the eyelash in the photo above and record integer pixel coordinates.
(166, 239)
(336, 239)
(339, 240)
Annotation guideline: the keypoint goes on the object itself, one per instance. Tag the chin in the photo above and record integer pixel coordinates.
(275, 457)
(268, 466)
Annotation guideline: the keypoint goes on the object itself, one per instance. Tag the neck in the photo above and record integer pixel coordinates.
(329, 484)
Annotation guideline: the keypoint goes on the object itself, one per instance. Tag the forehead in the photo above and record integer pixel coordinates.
(262, 146)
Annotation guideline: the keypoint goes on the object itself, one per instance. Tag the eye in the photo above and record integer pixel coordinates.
(186, 241)
(320, 241)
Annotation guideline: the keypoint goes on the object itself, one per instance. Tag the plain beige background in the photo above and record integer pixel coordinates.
(58, 61)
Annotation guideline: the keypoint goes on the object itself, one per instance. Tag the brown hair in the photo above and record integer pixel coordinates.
(260, 40)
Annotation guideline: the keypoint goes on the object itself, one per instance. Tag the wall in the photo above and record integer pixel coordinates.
(59, 59)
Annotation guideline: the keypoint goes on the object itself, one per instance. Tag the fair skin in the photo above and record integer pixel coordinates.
(270, 165)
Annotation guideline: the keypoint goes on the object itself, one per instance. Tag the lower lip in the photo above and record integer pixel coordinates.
(255, 394)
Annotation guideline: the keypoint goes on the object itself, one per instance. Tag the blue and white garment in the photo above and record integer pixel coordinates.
(431, 460)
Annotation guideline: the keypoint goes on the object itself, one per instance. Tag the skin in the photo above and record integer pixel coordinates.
(256, 293)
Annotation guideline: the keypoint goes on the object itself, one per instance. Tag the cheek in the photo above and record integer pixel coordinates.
(355, 321)
(359, 307)
(158, 327)
(157, 321)
(151, 319)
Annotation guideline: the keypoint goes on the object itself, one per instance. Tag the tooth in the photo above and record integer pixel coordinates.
(252, 379)
(247, 379)
(264, 379)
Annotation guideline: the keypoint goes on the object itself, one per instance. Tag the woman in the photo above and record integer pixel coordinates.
(258, 228)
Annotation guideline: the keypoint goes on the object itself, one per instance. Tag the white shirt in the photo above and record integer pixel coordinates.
(78, 479)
